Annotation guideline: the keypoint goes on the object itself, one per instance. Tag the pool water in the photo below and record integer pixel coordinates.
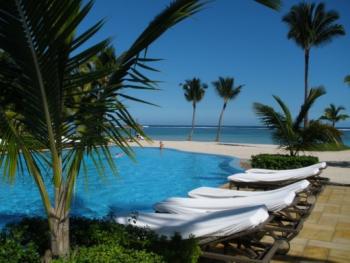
(156, 175)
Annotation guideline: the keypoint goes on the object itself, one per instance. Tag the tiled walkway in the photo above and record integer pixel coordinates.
(325, 236)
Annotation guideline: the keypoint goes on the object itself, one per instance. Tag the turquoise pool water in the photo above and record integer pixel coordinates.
(155, 175)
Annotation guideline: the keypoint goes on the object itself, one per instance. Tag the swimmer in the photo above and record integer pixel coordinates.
(161, 145)
(118, 155)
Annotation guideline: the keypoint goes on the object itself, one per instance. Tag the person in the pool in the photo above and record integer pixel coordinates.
(161, 145)
(118, 155)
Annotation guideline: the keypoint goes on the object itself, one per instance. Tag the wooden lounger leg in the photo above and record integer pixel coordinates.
(229, 259)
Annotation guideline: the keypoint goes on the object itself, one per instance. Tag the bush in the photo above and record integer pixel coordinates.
(96, 241)
(11, 251)
(280, 162)
(110, 253)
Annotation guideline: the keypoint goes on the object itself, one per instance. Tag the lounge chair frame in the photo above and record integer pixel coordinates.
(250, 248)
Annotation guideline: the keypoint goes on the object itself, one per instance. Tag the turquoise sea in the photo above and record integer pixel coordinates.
(230, 134)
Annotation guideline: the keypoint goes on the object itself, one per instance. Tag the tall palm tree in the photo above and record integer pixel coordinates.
(289, 133)
(225, 87)
(332, 114)
(48, 93)
(194, 92)
(311, 26)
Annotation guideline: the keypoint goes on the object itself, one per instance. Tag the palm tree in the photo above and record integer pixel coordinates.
(332, 114)
(347, 80)
(227, 91)
(48, 93)
(311, 26)
(194, 92)
(289, 133)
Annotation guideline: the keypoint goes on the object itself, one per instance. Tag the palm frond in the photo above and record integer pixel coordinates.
(274, 4)
(313, 95)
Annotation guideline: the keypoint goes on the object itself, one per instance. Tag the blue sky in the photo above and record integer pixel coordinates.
(237, 38)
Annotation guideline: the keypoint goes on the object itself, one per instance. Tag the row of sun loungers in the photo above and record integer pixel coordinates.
(239, 225)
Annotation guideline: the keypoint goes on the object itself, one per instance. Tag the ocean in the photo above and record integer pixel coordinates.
(229, 134)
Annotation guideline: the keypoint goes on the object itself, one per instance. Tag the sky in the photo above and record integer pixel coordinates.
(235, 38)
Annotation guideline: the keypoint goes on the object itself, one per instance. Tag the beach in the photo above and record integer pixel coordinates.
(338, 161)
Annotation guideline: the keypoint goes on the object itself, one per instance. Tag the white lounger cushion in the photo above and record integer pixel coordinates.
(182, 205)
(219, 224)
(213, 192)
(297, 174)
(321, 165)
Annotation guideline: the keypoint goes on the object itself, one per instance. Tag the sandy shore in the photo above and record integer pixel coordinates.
(338, 162)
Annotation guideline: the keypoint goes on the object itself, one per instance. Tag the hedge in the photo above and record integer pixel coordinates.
(95, 241)
(280, 162)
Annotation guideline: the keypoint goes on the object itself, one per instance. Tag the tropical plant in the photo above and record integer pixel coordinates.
(194, 91)
(347, 80)
(226, 89)
(49, 95)
(289, 133)
(311, 26)
(332, 114)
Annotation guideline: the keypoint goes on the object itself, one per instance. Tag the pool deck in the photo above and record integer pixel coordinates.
(325, 236)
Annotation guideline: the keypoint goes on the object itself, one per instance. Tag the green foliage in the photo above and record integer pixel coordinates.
(281, 162)
(329, 147)
(110, 253)
(11, 251)
(194, 89)
(97, 241)
(333, 114)
(289, 133)
(226, 89)
(347, 79)
(311, 25)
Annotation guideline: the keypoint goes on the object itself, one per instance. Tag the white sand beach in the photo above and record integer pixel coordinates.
(338, 161)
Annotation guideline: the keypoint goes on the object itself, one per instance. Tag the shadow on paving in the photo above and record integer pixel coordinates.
(340, 164)
(290, 258)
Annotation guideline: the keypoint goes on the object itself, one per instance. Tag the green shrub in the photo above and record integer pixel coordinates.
(110, 253)
(94, 239)
(11, 251)
(280, 162)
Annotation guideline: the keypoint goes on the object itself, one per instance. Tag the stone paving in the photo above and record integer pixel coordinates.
(325, 236)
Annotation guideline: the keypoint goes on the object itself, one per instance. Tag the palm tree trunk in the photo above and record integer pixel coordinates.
(59, 224)
(220, 121)
(333, 124)
(193, 121)
(306, 84)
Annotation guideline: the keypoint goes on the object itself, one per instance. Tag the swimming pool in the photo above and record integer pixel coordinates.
(154, 176)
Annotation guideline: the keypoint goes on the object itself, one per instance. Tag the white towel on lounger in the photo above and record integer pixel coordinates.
(218, 224)
(182, 205)
(321, 165)
(273, 177)
(214, 192)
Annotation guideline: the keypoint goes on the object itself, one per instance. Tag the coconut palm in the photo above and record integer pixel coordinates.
(225, 87)
(51, 91)
(289, 133)
(332, 114)
(310, 26)
(194, 91)
(347, 80)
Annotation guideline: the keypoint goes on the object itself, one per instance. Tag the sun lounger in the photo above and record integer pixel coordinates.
(182, 205)
(278, 179)
(306, 198)
(321, 165)
(214, 192)
(288, 215)
(227, 227)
